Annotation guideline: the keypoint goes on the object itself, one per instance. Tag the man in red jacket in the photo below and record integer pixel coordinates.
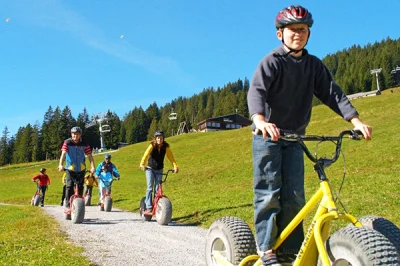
(44, 181)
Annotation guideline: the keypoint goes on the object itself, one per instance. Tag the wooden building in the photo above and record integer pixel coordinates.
(225, 122)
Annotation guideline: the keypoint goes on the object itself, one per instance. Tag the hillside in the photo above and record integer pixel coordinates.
(216, 169)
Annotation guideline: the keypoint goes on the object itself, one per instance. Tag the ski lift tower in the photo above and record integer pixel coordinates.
(100, 119)
(376, 72)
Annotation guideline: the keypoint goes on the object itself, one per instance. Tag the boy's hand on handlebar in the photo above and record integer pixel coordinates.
(366, 130)
(176, 170)
(60, 168)
(267, 129)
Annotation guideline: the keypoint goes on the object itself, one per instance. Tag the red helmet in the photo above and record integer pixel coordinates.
(293, 14)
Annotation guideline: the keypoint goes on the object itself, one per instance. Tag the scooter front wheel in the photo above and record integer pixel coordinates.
(36, 200)
(164, 211)
(107, 203)
(78, 211)
(232, 239)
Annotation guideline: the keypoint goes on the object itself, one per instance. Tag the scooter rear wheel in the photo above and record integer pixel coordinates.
(383, 226)
(360, 246)
(88, 200)
(67, 215)
(142, 210)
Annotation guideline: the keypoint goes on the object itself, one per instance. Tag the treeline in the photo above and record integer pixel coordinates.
(350, 68)
(43, 141)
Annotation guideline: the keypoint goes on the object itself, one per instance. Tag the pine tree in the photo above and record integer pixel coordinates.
(5, 153)
(36, 144)
(46, 133)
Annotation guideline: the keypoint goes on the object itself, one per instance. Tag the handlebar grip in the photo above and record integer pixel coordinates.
(356, 134)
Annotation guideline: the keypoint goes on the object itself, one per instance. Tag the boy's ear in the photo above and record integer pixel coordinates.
(279, 34)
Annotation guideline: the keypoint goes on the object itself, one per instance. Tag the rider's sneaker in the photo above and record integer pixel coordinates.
(269, 259)
(149, 210)
(42, 205)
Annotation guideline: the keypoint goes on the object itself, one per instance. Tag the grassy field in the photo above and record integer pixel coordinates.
(215, 180)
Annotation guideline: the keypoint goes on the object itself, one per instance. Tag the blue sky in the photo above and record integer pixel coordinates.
(120, 54)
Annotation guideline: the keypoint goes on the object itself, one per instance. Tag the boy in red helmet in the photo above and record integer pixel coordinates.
(280, 97)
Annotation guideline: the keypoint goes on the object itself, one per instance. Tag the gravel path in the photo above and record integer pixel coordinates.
(122, 238)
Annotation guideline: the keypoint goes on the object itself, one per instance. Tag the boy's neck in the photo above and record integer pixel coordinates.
(298, 54)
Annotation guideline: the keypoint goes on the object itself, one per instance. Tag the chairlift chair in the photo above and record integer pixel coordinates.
(105, 128)
(172, 116)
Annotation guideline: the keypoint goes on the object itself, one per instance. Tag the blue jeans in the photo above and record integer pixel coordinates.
(153, 178)
(278, 192)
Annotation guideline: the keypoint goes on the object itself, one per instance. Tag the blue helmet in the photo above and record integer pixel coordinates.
(107, 156)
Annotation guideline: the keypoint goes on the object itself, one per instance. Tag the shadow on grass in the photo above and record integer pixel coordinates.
(190, 220)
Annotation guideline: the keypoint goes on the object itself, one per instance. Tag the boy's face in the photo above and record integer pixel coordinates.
(75, 136)
(295, 36)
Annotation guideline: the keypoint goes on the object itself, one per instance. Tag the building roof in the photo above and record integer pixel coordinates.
(230, 118)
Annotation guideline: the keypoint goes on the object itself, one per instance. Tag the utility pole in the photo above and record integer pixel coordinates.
(376, 72)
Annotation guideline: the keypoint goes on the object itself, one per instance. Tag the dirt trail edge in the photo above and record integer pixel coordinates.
(122, 238)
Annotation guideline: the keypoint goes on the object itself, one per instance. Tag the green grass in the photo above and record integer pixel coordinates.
(215, 177)
(27, 237)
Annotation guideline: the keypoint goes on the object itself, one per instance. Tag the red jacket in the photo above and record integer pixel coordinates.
(44, 179)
